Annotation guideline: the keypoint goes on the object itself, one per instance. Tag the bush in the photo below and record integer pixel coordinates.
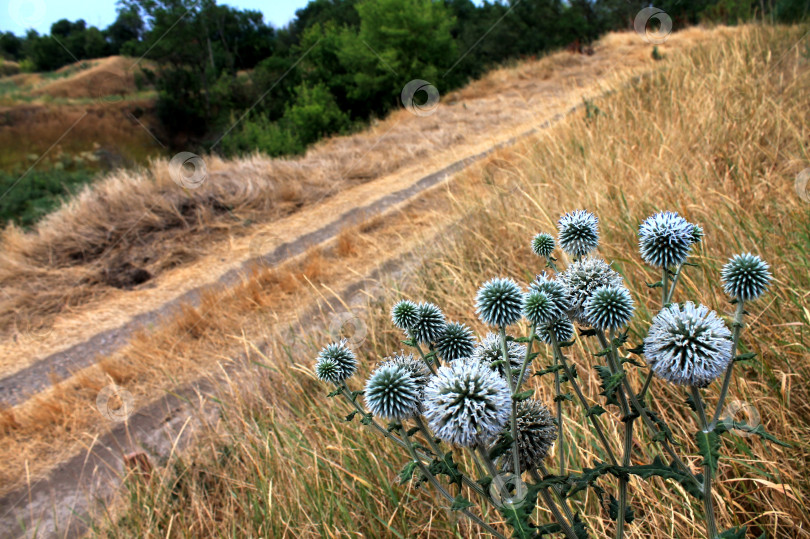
(30, 197)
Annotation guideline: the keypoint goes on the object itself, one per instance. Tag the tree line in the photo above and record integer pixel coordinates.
(338, 63)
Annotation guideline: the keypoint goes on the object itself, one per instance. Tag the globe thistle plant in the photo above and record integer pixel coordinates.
(467, 403)
(665, 239)
(543, 245)
(392, 393)
(688, 345)
(556, 291)
(745, 277)
(490, 352)
(538, 308)
(336, 363)
(578, 232)
(429, 324)
(456, 342)
(536, 433)
(404, 314)
(499, 302)
(416, 367)
(561, 328)
(609, 308)
(583, 277)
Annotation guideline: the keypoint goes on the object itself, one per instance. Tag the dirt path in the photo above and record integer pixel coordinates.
(21, 385)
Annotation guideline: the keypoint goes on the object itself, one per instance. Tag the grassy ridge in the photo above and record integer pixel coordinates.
(718, 136)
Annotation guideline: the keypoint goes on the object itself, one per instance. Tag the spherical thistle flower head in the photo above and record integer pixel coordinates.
(456, 342)
(490, 351)
(583, 277)
(688, 345)
(466, 402)
(538, 307)
(416, 367)
(336, 362)
(392, 393)
(556, 292)
(543, 244)
(664, 239)
(536, 433)
(429, 324)
(499, 302)
(609, 308)
(404, 314)
(697, 233)
(562, 329)
(579, 232)
(745, 277)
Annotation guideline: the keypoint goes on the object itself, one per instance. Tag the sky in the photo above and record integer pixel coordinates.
(18, 16)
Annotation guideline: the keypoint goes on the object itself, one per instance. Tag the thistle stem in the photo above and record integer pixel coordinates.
(525, 365)
(422, 354)
(664, 288)
(560, 435)
(708, 502)
(513, 419)
(597, 424)
(555, 512)
(735, 340)
(668, 298)
(616, 366)
(642, 411)
(556, 489)
(440, 488)
(646, 386)
(396, 439)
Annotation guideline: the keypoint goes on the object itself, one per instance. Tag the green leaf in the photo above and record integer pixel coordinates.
(446, 466)
(660, 469)
(406, 473)
(548, 529)
(413, 431)
(563, 397)
(611, 384)
(523, 395)
(335, 393)
(613, 510)
(759, 430)
(709, 448)
(587, 332)
(518, 516)
(603, 352)
(595, 410)
(637, 350)
(605, 375)
(734, 533)
(566, 344)
(659, 284)
(460, 502)
(580, 529)
(548, 370)
(366, 419)
(351, 416)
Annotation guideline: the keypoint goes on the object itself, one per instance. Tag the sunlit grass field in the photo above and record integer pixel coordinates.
(718, 135)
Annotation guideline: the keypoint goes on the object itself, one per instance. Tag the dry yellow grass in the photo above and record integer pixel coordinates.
(143, 219)
(717, 135)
